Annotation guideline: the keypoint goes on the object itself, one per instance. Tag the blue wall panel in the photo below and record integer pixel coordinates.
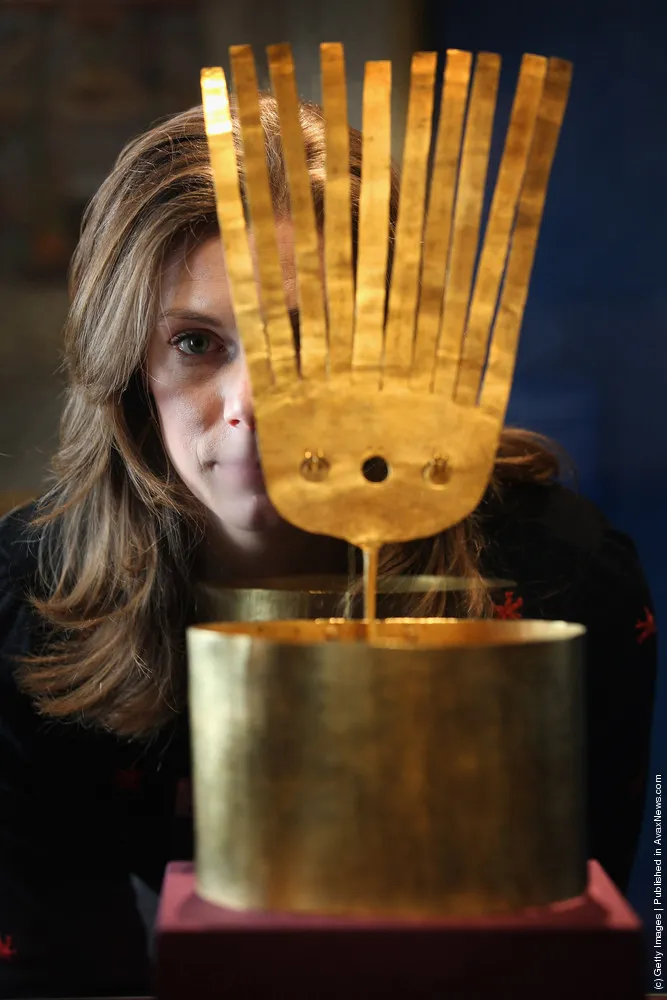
(592, 367)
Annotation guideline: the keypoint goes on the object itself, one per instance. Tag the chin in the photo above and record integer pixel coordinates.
(252, 513)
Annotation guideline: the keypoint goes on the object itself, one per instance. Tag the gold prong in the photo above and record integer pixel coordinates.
(467, 214)
(373, 250)
(337, 210)
(502, 353)
(410, 224)
(313, 350)
(439, 217)
(498, 235)
(229, 207)
(282, 349)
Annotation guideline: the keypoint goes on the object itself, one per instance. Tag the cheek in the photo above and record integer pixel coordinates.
(188, 415)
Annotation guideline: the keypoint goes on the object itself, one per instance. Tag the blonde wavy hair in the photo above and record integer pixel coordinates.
(118, 529)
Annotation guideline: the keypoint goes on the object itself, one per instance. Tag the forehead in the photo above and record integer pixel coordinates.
(195, 273)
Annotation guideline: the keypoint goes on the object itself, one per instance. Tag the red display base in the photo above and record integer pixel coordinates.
(586, 948)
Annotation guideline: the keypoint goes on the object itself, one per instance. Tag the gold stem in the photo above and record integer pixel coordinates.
(351, 578)
(370, 582)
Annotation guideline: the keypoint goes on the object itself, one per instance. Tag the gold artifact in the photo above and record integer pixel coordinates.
(320, 597)
(392, 380)
(430, 768)
(386, 767)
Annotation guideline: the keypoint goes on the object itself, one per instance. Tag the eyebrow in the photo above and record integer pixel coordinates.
(191, 314)
(209, 320)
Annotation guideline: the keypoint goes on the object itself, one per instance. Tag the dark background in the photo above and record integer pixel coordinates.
(592, 367)
(79, 78)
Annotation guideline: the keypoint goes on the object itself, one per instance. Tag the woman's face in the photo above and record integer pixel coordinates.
(198, 377)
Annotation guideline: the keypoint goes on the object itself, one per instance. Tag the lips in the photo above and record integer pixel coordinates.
(243, 470)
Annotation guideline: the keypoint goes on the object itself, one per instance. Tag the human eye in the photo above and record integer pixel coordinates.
(199, 343)
(193, 342)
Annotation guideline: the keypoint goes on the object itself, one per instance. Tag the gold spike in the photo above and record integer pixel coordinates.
(467, 214)
(337, 210)
(312, 320)
(233, 232)
(499, 228)
(373, 251)
(439, 217)
(502, 354)
(282, 350)
(411, 214)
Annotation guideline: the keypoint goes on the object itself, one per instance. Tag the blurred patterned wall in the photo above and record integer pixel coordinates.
(77, 79)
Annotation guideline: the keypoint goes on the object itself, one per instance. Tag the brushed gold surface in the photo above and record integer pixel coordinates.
(313, 351)
(278, 327)
(373, 254)
(499, 230)
(337, 209)
(471, 185)
(432, 768)
(439, 218)
(404, 289)
(502, 353)
(229, 208)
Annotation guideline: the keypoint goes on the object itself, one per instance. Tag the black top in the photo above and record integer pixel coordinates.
(84, 814)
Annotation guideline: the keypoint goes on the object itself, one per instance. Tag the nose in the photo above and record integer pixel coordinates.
(238, 406)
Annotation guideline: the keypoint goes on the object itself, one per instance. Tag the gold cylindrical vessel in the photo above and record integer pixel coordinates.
(422, 768)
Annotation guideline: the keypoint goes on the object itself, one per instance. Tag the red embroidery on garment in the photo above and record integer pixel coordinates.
(128, 779)
(646, 628)
(510, 609)
(7, 952)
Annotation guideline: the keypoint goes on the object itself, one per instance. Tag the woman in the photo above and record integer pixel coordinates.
(157, 488)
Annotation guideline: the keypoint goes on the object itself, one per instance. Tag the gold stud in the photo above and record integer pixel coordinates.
(314, 467)
(437, 471)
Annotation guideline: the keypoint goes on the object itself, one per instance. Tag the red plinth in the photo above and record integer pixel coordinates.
(586, 948)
